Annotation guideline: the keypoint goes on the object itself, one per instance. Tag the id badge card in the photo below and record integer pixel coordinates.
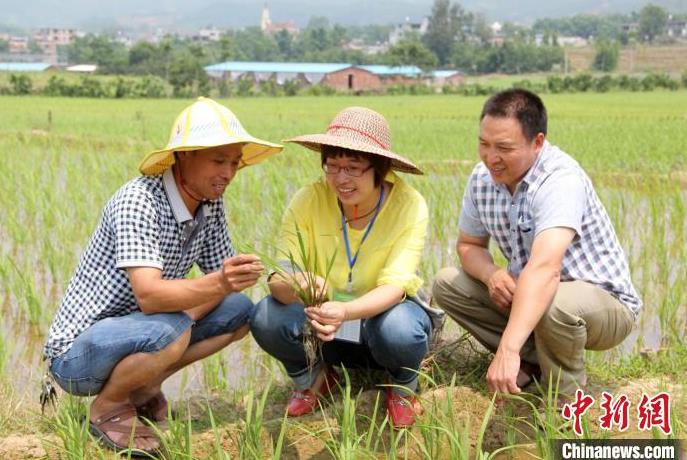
(349, 330)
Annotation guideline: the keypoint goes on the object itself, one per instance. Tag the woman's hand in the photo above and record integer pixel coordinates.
(320, 285)
(284, 286)
(327, 319)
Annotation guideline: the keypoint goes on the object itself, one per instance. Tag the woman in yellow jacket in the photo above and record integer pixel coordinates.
(374, 224)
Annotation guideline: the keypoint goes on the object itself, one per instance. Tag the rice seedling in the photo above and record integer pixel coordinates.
(250, 438)
(344, 437)
(300, 272)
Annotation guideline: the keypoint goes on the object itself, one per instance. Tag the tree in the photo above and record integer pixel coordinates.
(652, 22)
(4, 46)
(111, 57)
(285, 43)
(480, 29)
(606, 57)
(150, 59)
(466, 57)
(412, 52)
(187, 74)
(21, 84)
(446, 25)
(256, 46)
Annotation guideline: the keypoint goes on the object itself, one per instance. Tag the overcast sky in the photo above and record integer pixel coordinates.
(180, 14)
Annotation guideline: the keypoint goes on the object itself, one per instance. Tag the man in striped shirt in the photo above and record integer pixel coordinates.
(567, 285)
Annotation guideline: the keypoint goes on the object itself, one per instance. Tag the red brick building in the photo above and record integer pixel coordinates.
(352, 79)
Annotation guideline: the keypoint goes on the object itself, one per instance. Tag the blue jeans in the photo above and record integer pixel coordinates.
(396, 340)
(86, 366)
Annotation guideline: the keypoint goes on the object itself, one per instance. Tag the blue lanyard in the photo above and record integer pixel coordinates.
(352, 260)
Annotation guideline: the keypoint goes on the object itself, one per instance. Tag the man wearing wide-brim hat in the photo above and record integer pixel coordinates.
(129, 318)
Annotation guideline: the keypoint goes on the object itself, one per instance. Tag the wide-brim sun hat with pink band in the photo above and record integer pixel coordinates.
(362, 130)
(205, 124)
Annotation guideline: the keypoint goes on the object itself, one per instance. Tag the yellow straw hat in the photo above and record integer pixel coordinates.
(205, 124)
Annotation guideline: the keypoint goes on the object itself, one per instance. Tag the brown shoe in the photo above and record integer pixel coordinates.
(112, 422)
(151, 410)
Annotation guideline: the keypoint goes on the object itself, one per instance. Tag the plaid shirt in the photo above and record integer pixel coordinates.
(555, 192)
(145, 224)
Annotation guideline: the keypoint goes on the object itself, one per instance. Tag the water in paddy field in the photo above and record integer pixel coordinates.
(647, 224)
(244, 363)
(243, 366)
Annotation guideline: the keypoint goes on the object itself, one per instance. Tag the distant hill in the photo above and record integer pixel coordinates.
(185, 15)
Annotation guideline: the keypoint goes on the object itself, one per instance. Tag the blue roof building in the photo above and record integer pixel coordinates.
(24, 66)
(290, 67)
(338, 75)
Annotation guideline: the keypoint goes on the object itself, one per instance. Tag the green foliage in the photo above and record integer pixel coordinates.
(414, 89)
(120, 87)
(626, 82)
(255, 46)
(110, 56)
(91, 87)
(244, 87)
(151, 59)
(446, 26)
(579, 83)
(474, 89)
(291, 87)
(515, 57)
(21, 84)
(512, 57)
(652, 22)
(603, 84)
(584, 25)
(303, 270)
(285, 44)
(187, 75)
(319, 90)
(529, 85)
(57, 86)
(659, 80)
(606, 57)
(4, 46)
(149, 86)
(412, 51)
(250, 439)
(72, 432)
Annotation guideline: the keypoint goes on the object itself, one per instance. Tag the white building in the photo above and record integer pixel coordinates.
(208, 34)
(401, 30)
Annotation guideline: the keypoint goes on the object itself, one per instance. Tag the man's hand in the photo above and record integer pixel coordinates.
(327, 319)
(240, 272)
(501, 285)
(503, 372)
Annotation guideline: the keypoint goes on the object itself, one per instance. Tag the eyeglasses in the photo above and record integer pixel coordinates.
(352, 171)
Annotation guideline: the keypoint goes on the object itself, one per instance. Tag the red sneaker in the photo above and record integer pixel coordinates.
(402, 409)
(305, 401)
